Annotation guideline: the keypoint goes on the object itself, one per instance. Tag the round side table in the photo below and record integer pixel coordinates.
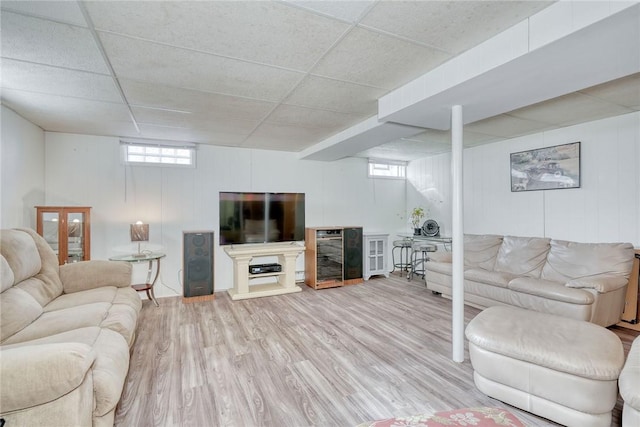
(150, 258)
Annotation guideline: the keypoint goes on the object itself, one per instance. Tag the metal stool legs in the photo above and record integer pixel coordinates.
(419, 257)
(403, 249)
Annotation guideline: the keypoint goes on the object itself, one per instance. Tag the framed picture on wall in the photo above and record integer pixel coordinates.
(547, 168)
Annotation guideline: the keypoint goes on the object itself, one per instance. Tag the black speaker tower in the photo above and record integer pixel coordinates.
(197, 263)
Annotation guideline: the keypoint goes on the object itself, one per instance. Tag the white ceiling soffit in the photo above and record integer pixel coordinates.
(363, 136)
(606, 50)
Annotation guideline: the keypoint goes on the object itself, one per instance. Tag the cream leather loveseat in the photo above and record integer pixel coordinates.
(584, 281)
(65, 331)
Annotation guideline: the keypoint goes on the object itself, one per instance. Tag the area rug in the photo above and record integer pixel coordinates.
(468, 417)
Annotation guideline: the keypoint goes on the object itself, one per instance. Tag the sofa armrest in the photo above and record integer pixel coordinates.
(630, 377)
(81, 276)
(602, 283)
(32, 375)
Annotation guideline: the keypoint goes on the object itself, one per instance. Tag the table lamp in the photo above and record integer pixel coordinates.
(139, 233)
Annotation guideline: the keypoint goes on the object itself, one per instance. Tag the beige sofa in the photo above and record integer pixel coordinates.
(65, 337)
(584, 281)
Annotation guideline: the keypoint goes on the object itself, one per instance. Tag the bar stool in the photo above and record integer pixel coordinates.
(419, 256)
(403, 247)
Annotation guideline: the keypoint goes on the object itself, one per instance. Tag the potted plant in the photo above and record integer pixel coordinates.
(416, 217)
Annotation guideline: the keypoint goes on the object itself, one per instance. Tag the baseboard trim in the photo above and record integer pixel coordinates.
(187, 300)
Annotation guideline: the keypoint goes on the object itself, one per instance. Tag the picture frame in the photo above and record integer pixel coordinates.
(549, 168)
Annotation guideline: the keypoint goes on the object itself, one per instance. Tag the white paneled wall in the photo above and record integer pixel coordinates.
(86, 170)
(430, 188)
(21, 170)
(605, 209)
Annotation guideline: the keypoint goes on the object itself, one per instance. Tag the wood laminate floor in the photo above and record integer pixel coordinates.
(332, 357)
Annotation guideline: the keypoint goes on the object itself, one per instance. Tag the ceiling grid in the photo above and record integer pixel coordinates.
(277, 75)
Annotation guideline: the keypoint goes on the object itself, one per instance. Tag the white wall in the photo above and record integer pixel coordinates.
(86, 170)
(21, 170)
(605, 209)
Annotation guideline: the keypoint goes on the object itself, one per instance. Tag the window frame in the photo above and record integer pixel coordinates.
(400, 165)
(159, 146)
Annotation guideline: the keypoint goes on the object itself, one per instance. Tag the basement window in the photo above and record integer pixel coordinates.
(159, 153)
(387, 169)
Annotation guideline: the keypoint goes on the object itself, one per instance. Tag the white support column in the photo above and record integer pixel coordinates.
(457, 296)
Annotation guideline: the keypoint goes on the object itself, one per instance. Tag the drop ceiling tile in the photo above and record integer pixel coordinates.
(96, 126)
(58, 81)
(157, 96)
(274, 136)
(168, 133)
(453, 26)
(265, 32)
(61, 11)
(506, 126)
(327, 94)
(569, 109)
(330, 121)
(201, 121)
(349, 11)
(155, 63)
(375, 59)
(65, 114)
(46, 42)
(624, 92)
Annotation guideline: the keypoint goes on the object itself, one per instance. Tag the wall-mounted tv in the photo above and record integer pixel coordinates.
(261, 217)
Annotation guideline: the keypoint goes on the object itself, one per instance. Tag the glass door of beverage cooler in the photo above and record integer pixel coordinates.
(329, 259)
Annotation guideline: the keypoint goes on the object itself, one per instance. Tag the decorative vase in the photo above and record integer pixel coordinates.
(417, 231)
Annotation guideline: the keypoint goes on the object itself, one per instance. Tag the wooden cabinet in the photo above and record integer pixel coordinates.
(375, 255)
(67, 230)
(333, 256)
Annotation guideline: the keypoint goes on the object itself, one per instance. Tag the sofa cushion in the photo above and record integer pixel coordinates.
(21, 254)
(480, 250)
(58, 321)
(572, 260)
(105, 294)
(39, 290)
(494, 278)
(551, 290)
(33, 263)
(6, 275)
(522, 256)
(18, 310)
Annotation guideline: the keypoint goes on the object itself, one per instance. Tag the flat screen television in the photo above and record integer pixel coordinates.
(261, 217)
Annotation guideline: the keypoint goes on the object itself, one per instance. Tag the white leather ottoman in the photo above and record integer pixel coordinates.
(562, 369)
